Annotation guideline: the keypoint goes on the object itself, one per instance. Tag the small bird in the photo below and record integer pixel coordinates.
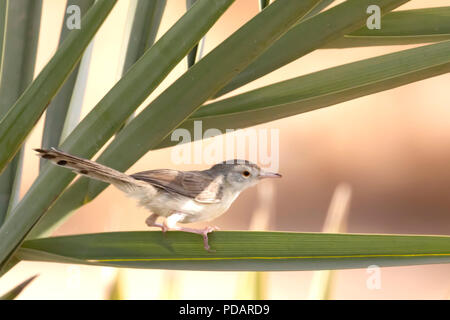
(177, 196)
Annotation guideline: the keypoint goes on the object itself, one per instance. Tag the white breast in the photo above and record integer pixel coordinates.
(165, 204)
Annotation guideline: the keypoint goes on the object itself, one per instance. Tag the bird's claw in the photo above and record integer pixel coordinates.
(205, 237)
(151, 222)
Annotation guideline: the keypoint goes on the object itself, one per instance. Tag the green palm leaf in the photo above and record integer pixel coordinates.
(14, 292)
(287, 98)
(318, 8)
(144, 18)
(325, 27)
(20, 35)
(192, 55)
(280, 33)
(20, 119)
(116, 106)
(3, 8)
(239, 251)
(401, 27)
(184, 96)
(321, 89)
(144, 27)
(57, 110)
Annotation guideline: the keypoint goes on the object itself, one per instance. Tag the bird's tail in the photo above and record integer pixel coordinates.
(90, 169)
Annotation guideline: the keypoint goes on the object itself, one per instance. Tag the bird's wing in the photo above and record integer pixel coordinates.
(198, 185)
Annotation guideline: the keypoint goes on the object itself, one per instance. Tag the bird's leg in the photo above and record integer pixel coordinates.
(151, 222)
(171, 221)
(204, 232)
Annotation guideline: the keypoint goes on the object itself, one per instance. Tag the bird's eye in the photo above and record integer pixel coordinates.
(246, 173)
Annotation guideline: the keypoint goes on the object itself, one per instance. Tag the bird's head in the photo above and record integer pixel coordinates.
(241, 174)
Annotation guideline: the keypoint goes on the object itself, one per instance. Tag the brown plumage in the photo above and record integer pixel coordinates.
(197, 185)
(192, 184)
(90, 168)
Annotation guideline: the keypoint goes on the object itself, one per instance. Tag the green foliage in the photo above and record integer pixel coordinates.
(23, 115)
(20, 34)
(57, 110)
(116, 106)
(318, 30)
(239, 251)
(280, 33)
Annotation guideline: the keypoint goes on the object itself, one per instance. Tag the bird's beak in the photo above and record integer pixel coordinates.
(264, 174)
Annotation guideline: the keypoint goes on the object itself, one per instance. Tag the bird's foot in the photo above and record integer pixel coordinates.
(205, 237)
(171, 224)
(151, 222)
(203, 232)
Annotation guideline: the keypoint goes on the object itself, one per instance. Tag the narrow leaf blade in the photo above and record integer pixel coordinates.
(56, 114)
(321, 89)
(318, 8)
(401, 27)
(20, 33)
(146, 21)
(263, 4)
(318, 30)
(116, 106)
(143, 22)
(240, 251)
(3, 7)
(192, 55)
(14, 292)
(185, 95)
(21, 118)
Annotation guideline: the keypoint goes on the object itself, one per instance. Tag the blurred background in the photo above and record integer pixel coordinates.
(391, 148)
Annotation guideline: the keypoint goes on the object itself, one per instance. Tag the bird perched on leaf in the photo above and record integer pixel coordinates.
(177, 196)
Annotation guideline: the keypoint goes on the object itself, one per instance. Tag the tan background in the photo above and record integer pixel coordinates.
(393, 148)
